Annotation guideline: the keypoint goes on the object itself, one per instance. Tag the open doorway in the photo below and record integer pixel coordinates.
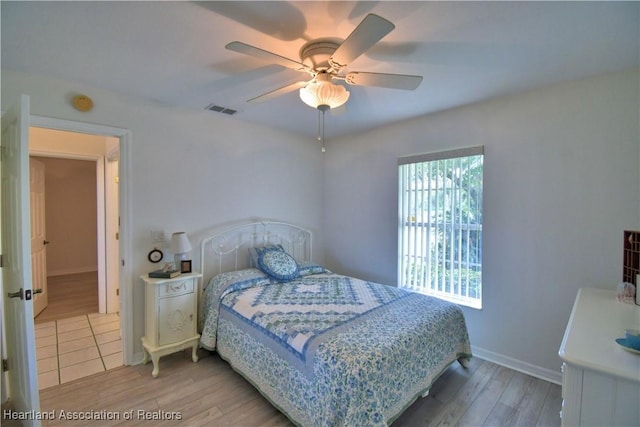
(78, 332)
(65, 251)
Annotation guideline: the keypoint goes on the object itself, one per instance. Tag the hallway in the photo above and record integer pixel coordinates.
(70, 295)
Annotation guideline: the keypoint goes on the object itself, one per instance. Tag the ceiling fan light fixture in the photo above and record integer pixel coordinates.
(323, 92)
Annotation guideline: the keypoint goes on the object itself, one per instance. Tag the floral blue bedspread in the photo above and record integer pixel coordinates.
(331, 350)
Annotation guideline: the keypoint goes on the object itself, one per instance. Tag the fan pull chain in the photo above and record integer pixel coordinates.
(321, 109)
(323, 131)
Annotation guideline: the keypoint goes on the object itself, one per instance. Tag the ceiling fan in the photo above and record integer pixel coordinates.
(325, 60)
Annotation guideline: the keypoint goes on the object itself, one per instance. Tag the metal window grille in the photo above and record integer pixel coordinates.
(440, 224)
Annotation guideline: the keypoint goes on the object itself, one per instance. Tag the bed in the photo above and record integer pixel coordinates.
(325, 349)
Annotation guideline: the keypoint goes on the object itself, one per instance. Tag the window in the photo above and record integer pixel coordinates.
(440, 225)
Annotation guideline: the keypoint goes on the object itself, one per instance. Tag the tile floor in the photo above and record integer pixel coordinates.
(77, 347)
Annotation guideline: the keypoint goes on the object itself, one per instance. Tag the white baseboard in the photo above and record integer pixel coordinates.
(518, 365)
(137, 358)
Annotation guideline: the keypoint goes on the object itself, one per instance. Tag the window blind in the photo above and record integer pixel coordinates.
(440, 224)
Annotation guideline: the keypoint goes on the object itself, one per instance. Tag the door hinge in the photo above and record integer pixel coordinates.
(5, 365)
(1, 260)
(118, 292)
(117, 236)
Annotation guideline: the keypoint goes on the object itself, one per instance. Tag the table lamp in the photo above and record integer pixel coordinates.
(180, 246)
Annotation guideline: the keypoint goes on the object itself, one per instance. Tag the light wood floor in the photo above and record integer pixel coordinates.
(210, 393)
(70, 295)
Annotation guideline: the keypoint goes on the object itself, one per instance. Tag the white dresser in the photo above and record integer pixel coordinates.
(600, 379)
(171, 307)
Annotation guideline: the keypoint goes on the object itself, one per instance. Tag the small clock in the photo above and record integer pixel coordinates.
(155, 255)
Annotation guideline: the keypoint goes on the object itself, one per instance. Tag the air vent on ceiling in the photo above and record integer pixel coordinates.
(220, 109)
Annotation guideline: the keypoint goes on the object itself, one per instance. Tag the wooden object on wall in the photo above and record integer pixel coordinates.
(631, 256)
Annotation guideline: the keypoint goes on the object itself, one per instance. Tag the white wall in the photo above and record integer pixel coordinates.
(561, 183)
(191, 170)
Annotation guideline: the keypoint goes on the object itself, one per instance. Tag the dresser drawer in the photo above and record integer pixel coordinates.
(176, 288)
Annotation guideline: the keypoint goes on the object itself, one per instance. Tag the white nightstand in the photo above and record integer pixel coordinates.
(171, 307)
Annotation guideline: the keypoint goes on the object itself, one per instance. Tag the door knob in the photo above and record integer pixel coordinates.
(24, 295)
(45, 242)
(19, 294)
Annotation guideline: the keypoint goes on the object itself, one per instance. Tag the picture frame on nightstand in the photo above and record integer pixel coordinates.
(185, 266)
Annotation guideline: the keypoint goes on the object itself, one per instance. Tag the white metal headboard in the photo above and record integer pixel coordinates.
(228, 250)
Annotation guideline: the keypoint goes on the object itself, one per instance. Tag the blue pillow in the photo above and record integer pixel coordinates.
(278, 265)
(306, 268)
(255, 252)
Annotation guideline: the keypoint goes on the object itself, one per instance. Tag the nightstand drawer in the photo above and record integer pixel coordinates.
(176, 288)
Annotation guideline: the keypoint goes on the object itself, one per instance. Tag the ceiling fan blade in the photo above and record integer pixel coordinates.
(256, 52)
(392, 81)
(278, 92)
(367, 33)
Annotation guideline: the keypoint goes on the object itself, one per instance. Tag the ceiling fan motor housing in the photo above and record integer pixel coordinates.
(316, 54)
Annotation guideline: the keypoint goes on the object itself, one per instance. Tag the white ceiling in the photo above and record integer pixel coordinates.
(173, 52)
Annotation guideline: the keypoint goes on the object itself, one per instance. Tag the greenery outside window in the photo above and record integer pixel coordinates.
(440, 225)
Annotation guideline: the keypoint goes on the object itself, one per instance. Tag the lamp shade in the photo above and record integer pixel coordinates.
(180, 243)
(323, 92)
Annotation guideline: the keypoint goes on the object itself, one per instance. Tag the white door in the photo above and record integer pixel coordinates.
(38, 236)
(112, 221)
(16, 260)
